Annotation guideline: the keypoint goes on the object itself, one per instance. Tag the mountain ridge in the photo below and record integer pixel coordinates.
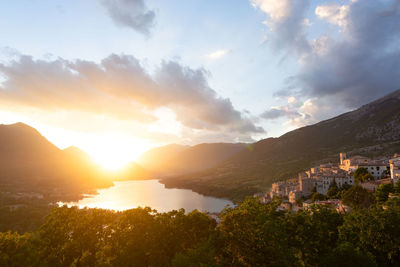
(376, 124)
(177, 159)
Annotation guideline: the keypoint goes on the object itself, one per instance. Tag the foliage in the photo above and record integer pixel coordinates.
(358, 197)
(361, 175)
(16, 250)
(345, 255)
(317, 196)
(251, 234)
(375, 231)
(396, 187)
(254, 234)
(333, 191)
(382, 192)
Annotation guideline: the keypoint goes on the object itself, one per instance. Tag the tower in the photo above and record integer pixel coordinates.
(343, 156)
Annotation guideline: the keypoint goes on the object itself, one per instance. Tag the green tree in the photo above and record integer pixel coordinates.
(396, 187)
(17, 250)
(312, 233)
(254, 234)
(317, 196)
(333, 191)
(382, 192)
(361, 175)
(345, 255)
(375, 231)
(358, 197)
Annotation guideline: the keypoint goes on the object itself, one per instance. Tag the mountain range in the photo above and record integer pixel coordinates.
(177, 159)
(29, 162)
(372, 130)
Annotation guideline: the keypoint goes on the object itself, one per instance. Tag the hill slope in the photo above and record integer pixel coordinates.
(375, 125)
(176, 159)
(29, 162)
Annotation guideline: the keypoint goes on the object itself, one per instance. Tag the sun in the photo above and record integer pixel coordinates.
(113, 153)
(110, 162)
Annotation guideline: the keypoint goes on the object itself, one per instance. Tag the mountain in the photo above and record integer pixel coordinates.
(157, 159)
(372, 130)
(177, 159)
(78, 153)
(29, 162)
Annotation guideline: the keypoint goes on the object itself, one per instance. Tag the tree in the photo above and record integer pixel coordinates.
(396, 187)
(254, 234)
(17, 250)
(312, 233)
(333, 191)
(382, 192)
(358, 197)
(317, 196)
(375, 231)
(345, 255)
(361, 175)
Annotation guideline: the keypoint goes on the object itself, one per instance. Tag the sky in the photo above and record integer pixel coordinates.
(117, 77)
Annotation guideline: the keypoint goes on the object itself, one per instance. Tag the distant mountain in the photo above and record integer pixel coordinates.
(29, 162)
(78, 153)
(132, 171)
(373, 130)
(177, 159)
(157, 160)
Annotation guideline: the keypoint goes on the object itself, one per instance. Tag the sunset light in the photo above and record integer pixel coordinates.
(200, 133)
(116, 151)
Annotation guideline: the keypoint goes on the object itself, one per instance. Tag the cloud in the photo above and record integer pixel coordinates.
(278, 112)
(349, 67)
(286, 23)
(333, 13)
(119, 87)
(133, 14)
(217, 54)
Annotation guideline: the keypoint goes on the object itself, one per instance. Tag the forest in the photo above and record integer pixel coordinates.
(250, 234)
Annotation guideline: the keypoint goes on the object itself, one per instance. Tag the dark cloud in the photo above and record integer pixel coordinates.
(279, 112)
(130, 13)
(365, 64)
(359, 63)
(120, 87)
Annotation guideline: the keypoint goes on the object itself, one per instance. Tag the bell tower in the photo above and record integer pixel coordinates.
(343, 156)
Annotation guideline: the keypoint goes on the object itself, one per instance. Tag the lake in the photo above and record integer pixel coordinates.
(132, 194)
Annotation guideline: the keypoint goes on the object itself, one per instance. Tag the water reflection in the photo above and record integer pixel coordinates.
(132, 194)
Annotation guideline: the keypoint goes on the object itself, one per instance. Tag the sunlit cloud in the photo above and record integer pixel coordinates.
(118, 95)
(217, 54)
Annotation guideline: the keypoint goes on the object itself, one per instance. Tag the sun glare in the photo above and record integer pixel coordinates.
(115, 152)
(107, 161)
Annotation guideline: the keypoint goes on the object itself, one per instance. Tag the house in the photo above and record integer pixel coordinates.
(395, 168)
(376, 167)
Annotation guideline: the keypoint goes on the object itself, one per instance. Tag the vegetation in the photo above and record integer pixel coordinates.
(251, 234)
(383, 191)
(362, 175)
(358, 197)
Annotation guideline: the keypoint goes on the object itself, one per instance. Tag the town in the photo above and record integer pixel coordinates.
(297, 193)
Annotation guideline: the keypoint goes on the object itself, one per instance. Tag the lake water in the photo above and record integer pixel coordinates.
(132, 194)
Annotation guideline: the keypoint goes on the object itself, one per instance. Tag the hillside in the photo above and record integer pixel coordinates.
(157, 159)
(177, 159)
(373, 129)
(30, 163)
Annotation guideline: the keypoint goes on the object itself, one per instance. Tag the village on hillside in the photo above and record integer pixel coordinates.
(296, 193)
